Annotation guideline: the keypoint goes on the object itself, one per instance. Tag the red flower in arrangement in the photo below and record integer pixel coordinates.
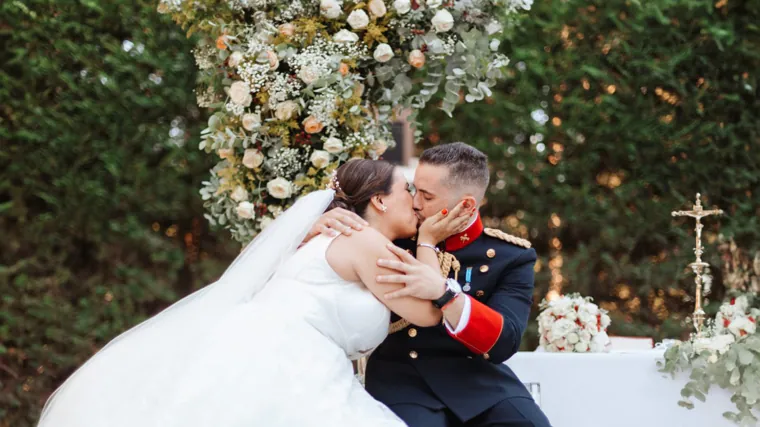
(261, 209)
(578, 322)
(576, 308)
(599, 322)
(751, 319)
(733, 301)
(415, 5)
(302, 138)
(726, 322)
(742, 332)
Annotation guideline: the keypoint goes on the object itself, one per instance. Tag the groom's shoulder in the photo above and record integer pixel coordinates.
(506, 238)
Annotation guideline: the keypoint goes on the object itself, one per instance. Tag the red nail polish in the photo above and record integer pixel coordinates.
(445, 211)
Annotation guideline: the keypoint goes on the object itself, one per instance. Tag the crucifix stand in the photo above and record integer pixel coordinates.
(698, 266)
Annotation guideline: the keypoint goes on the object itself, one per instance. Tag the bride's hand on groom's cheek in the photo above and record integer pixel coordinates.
(444, 224)
(334, 222)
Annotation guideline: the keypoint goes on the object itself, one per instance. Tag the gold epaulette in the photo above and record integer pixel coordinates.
(507, 237)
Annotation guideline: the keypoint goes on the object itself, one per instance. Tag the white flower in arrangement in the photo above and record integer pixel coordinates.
(333, 145)
(320, 159)
(494, 45)
(377, 8)
(308, 75)
(226, 153)
(245, 210)
(493, 27)
(718, 343)
(383, 53)
(358, 20)
(741, 326)
(240, 93)
(280, 188)
(330, 9)
(286, 110)
(265, 221)
(402, 6)
(581, 347)
(599, 342)
(434, 4)
(252, 158)
(443, 21)
(239, 194)
(345, 36)
(379, 146)
(251, 121)
(273, 60)
(235, 58)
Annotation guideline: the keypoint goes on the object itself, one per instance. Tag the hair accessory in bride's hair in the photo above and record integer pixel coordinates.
(334, 184)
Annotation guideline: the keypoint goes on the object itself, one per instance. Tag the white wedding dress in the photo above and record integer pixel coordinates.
(280, 359)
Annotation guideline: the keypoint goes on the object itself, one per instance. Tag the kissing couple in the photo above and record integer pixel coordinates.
(403, 272)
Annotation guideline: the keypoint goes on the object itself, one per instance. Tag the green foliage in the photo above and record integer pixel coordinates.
(100, 219)
(646, 104)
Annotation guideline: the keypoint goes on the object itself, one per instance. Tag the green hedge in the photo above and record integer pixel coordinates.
(645, 104)
(100, 217)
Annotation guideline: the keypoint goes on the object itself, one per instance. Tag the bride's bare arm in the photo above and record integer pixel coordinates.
(370, 246)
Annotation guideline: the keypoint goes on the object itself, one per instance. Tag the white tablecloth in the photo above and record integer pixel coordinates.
(614, 389)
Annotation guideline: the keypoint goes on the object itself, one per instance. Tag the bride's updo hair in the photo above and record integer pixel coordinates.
(357, 181)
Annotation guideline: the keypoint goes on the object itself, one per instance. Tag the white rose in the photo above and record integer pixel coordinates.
(330, 9)
(589, 308)
(286, 110)
(379, 146)
(251, 121)
(279, 188)
(561, 305)
(383, 53)
(605, 321)
(377, 8)
(358, 20)
(573, 338)
(265, 222)
(719, 343)
(443, 21)
(308, 74)
(240, 93)
(402, 6)
(599, 342)
(713, 358)
(741, 326)
(333, 145)
(245, 210)
(434, 4)
(580, 347)
(345, 36)
(320, 159)
(494, 45)
(239, 194)
(235, 58)
(252, 158)
(585, 336)
(561, 328)
(493, 27)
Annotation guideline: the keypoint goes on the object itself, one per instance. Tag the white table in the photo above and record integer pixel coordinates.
(614, 389)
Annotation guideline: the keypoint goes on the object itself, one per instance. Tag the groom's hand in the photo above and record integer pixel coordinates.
(420, 280)
(334, 222)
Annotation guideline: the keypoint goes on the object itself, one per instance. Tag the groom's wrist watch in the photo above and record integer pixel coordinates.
(453, 289)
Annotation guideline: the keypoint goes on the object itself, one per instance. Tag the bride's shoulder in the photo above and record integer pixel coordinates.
(367, 238)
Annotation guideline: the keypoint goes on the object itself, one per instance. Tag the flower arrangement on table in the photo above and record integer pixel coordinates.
(301, 86)
(573, 324)
(727, 354)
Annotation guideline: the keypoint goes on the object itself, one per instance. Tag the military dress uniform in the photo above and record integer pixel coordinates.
(439, 376)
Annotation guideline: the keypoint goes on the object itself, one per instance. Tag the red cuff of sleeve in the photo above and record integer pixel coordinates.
(482, 330)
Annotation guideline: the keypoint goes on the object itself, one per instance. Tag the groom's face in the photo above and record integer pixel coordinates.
(432, 195)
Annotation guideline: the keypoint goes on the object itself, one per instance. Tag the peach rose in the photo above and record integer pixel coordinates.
(312, 125)
(221, 42)
(416, 58)
(343, 69)
(287, 30)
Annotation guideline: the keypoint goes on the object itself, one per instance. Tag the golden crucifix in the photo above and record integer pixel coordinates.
(698, 266)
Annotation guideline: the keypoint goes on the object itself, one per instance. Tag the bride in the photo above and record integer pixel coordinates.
(270, 343)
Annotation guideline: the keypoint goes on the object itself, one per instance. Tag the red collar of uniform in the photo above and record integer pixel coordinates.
(459, 241)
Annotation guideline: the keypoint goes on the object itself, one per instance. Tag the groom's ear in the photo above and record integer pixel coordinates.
(469, 203)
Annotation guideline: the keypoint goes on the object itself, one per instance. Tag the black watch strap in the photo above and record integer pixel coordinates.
(442, 301)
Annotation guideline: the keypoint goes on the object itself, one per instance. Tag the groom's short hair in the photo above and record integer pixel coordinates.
(468, 166)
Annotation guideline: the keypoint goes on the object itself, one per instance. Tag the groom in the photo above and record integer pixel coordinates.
(453, 374)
